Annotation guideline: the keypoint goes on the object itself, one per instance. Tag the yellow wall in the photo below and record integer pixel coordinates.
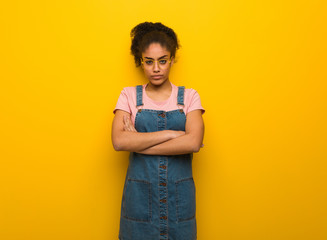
(259, 67)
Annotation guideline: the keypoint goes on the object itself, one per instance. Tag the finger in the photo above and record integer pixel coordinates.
(130, 124)
(128, 120)
(125, 127)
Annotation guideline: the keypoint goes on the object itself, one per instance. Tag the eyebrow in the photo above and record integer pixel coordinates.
(158, 58)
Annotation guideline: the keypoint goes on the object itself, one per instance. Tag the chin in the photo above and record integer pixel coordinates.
(158, 82)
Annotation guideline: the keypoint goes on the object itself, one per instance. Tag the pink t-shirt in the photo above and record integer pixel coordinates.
(127, 101)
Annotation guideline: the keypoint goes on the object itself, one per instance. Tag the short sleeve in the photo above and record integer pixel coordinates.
(195, 102)
(122, 102)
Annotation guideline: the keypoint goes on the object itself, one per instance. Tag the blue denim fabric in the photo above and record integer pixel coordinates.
(159, 192)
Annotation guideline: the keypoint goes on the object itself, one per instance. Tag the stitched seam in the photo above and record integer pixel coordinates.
(184, 179)
(167, 196)
(180, 96)
(150, 203)
(178, 218)
(152, 110)
(135, 219)
(158, 160)
(139, 95)
(136, 117)
(149, 207)
(177, 200)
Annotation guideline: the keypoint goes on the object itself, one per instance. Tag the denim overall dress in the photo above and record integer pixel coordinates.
(159, 193)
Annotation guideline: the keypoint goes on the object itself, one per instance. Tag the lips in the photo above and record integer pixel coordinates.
(157, 76)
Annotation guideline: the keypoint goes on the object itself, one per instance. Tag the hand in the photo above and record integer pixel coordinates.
(128, 126)
(176, 134)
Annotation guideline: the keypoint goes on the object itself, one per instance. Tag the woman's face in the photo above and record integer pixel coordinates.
(156, 72)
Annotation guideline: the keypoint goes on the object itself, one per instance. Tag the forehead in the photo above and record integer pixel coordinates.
(155, 50)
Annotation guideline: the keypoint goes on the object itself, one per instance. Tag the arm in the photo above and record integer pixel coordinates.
(188, 143)
(126, 138)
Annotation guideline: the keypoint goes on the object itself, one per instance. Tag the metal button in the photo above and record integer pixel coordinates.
(139, 110)
(164, 217)
(163, 184)
(181, 110)
(163, 200)
(163, 167)
(163, 115)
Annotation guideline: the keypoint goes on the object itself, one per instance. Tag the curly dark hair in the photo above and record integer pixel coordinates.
(146, 33)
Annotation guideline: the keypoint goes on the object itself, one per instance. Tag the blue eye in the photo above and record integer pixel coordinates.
(163, 61)
(149, 62)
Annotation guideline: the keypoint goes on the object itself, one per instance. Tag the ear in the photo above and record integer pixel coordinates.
(141, 63)
(172, 61)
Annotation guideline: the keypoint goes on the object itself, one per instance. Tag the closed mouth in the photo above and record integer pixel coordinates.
(157, 76)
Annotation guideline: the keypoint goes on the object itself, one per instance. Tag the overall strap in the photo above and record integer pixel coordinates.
(139, 95)
(180, 96)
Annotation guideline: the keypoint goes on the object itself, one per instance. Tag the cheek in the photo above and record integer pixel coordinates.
(146, 72)
(167, 71)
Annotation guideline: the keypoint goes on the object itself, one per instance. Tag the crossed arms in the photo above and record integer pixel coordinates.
(167, 142)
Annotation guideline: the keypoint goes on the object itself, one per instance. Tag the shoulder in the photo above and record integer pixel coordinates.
(192, 100)
(191, 93)
(129, 91)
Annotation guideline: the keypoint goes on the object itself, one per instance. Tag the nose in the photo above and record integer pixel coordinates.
(156, 67)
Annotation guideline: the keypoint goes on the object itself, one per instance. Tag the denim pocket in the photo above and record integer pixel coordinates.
(137, 200)
(185, 199)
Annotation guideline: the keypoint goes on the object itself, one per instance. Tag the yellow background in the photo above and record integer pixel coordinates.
(259, 67)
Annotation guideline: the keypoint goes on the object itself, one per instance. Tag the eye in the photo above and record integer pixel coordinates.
(149, 62)
(163, 61)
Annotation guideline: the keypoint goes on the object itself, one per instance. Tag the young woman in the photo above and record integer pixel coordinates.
(161, 126)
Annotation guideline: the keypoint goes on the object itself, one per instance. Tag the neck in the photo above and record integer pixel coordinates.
(166, 86)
